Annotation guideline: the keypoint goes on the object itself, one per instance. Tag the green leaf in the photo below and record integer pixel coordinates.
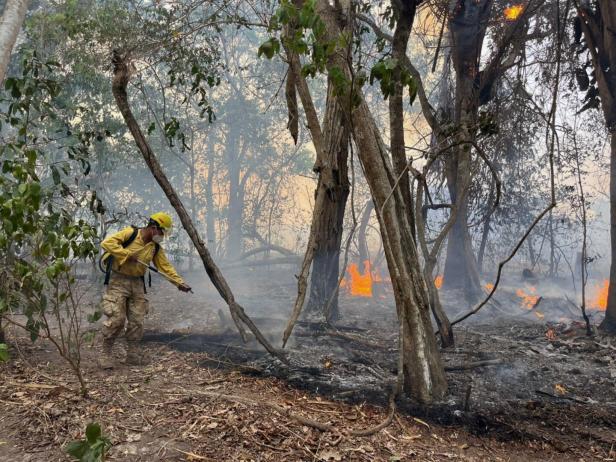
(77, 449)
(93, 432)
(94, 317)
(269, 48)
(4, 352)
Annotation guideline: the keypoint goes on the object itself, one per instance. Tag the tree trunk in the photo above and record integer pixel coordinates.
(485, 232)
(468, 23)
(193, 204)
(10, 25)
(362, 241)
(405, 13)
(121, 78)
(422, 368)
(609, 323)
(333, 185)
(210, 208)
(461, 270)
(236, 200)
(598, 23)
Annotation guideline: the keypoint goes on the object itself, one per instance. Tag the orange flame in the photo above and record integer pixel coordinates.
(360, 284)
(528, 300)
(599, 300)
(513, 12)
(550, 334)
(489, 286)
(438, 281)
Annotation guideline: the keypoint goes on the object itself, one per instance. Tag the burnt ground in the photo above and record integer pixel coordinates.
(545, 391)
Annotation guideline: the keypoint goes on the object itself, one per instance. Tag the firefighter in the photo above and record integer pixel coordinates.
(127, 255)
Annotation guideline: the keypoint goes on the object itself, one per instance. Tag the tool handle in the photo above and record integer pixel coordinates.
(152, 268)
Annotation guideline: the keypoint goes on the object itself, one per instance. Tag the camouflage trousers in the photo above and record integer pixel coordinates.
(124, 302)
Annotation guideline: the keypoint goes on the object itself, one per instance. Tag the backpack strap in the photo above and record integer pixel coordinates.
(109, 259)
(156, 249)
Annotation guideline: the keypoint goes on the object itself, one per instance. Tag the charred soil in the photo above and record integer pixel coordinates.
(518, 390)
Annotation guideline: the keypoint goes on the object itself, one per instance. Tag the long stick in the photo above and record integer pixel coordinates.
(121, 77)
(152, 268)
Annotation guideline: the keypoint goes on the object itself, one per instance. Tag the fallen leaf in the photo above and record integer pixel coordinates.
(330, 454)
(212, 425)
(132, 437)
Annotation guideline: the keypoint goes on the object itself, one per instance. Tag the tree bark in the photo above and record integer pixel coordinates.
(235, 209)
(210, 223)
(422, 367)
(485, 232)
(468, 23)
(333, 185)
(609, 323)
(10, 25)
(362, 241)
(405, 15)
(598, 23)
(121, 77)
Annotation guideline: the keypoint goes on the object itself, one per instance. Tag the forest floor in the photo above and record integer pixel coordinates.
(544, 392)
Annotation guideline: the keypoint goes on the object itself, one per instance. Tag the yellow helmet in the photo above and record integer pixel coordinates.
(163, 220)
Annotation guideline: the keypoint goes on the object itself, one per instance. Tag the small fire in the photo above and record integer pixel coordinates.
(360, 284)
(561, 390)
(528, 300)
(599, 300)
(438, 281)
(489, 286)
(513, 12)
(550, 334)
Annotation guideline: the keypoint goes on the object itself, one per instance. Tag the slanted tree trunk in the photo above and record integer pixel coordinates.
(405, 14)
(468, 23)
(333, 185)
(598, 23)
(423, 372)
(10, 25)
(121, 77)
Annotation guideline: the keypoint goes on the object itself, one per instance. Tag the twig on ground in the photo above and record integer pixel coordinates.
(467, 366)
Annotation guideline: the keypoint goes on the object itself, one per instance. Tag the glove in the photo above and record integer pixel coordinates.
(184, 288)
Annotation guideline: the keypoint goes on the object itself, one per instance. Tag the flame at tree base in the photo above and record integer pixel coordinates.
(599, 297)
(361, 284)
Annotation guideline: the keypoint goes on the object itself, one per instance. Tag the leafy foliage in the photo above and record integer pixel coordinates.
(43, 224)
(4, 352)
(92, 448)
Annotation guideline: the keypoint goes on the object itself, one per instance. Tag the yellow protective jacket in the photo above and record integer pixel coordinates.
(144, 252)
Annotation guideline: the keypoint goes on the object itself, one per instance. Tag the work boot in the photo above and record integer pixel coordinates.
(134, 355)
(106, 361)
